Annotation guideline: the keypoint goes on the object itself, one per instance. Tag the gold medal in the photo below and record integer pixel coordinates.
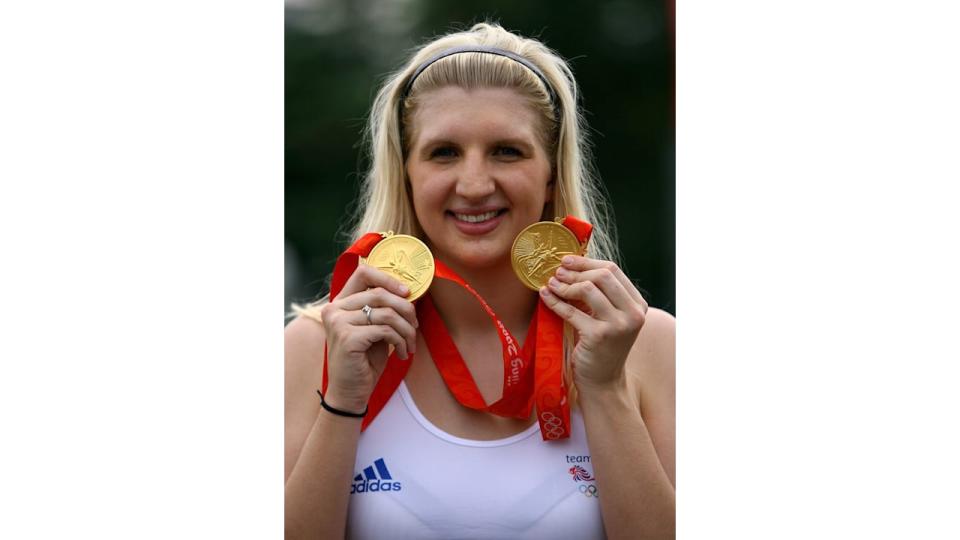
(538, 249)
(405, 258)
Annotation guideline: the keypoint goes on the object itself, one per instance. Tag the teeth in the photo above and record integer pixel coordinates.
(476, 218)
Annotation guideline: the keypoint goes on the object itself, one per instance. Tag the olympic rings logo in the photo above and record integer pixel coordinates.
(553, 425)
(589, 490)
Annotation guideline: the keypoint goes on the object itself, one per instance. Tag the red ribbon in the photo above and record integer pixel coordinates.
(550, 390)
(517, 377)
(543, 353)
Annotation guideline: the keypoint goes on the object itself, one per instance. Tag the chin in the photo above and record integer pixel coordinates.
(477, 259)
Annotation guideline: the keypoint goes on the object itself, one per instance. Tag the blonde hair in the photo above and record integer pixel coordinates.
(385, 203)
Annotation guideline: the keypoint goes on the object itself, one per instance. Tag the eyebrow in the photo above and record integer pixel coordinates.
(438, 141)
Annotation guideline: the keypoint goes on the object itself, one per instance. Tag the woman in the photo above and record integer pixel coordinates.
(475, 139)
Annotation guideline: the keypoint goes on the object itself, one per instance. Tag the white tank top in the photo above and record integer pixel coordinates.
(412, 480)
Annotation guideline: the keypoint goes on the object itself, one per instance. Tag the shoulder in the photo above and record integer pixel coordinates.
(655, 347)
(303, 343)
(303, 340)
(651, 364)
(303, 334)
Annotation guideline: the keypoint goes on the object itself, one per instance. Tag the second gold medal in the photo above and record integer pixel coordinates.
(538, 250)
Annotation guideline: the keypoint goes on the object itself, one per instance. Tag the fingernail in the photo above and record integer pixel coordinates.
(567, 260)
(554, 282)
(404, 290)
(544, 291)
(561, 271)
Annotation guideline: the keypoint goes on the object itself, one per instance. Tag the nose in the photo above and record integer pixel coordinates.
(475, 178)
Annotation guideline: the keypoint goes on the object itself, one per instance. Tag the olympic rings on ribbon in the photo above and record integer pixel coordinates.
(554, 425)
(589, 490)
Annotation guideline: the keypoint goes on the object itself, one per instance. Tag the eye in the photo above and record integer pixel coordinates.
(508, 151)
(443, 152)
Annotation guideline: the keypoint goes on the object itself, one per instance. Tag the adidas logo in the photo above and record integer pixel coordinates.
(374, 478)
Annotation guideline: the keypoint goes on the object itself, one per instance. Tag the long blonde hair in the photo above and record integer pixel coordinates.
(385, 202)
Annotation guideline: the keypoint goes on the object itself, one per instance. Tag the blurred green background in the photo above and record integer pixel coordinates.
(336, 52)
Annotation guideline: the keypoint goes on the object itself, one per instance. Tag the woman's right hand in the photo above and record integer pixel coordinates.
(357, 347)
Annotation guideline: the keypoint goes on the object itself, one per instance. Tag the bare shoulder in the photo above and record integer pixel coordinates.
(651, 366)
(654, 353)
(303, 335)
(303, 340)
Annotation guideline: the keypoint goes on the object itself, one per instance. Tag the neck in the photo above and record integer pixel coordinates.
(513, 303)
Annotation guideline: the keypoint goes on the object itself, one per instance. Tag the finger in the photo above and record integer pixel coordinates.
(578, 319)
(367, 335)
(379, 297)
(366, 277)
(387, 316)
(586, 292)
(573, 262)
(605, 280)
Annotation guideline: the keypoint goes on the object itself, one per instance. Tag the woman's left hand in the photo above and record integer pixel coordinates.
(615, 312)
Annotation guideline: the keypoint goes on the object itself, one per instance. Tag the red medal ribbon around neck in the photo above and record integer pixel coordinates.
(521, 389)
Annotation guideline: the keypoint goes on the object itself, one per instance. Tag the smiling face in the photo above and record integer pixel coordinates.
(479, 172)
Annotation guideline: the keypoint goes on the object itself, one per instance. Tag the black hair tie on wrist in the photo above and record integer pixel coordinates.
(338, 412)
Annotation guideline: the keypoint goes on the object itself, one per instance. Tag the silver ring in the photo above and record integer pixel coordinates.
(367, 310)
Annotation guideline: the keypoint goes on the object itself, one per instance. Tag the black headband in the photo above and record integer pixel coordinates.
(479, 49)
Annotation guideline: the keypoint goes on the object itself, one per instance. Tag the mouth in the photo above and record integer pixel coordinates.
(480, 221)
(478, 218)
